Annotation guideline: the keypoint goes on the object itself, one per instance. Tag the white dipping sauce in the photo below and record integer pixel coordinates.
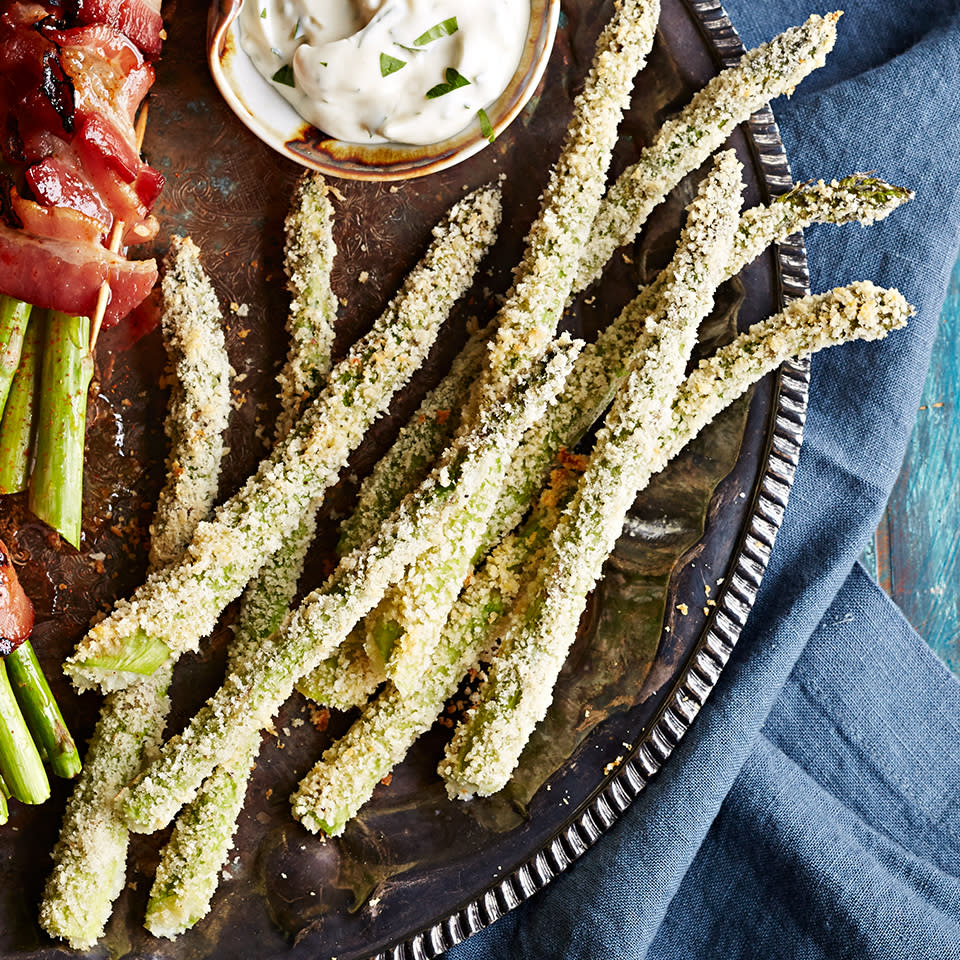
(361, 75)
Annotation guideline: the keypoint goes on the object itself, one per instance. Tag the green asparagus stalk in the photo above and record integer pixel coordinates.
(91, 853)
(345, 778)
(250, 696)
(177, 606)
(20, 765)
(14, 315)
(41, 712)
(684, 142)
(4, 810)
(190, 862)
(55, 490)
(16, 429)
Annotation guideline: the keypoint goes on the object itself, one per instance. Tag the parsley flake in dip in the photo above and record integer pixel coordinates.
(386, 71)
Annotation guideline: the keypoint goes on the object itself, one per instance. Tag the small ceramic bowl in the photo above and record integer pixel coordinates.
(275, 121)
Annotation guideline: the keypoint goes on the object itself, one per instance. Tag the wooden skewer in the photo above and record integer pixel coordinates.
(116, 235)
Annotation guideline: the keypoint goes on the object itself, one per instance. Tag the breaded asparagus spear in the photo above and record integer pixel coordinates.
(250, 696)
(311, 322)
(684, 142)
(421, 602)
(90, 856)
(178, 606)
(191, 861)
(538, 637)
(598, 371)
(199, 402)
(543, 279)
(332, 793)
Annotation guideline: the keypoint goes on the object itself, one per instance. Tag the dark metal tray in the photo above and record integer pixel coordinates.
(415, 872)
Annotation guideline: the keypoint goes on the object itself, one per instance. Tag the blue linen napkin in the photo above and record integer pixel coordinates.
(814, 808)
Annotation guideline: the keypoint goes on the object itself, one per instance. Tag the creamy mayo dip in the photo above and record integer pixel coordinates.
(386, 71)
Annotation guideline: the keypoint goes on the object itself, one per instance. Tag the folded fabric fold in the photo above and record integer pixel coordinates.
(814, 808)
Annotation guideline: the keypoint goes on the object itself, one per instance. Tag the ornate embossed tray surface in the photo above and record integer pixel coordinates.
(416, 873)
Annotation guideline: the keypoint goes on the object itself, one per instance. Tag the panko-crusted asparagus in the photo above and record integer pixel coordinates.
(348, 678)
(420, 603)
(251, 695)
(199, 402)
(337, 786)
(90, 856)
(543, 279)
(416, 448)
(190, 862)
(480, 759)
(178, 606)
(684, 142)
(311, 322)
(487, 745)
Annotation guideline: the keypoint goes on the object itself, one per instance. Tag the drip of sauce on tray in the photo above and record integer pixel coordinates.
(387, 71)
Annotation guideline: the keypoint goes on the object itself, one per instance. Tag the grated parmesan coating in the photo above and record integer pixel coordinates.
(91, 854)
(855, 199)
(311, 321)
(250, 696)
(346, 679)
(417, 446)
(178, 606)
(340, 783)
(684, 142)
(542, 280)
(487, 745)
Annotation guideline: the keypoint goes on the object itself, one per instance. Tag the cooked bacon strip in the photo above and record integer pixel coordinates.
(28, 263)
(138, 19)
(69, 97)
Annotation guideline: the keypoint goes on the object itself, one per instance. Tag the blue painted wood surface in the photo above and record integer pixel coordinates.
(916, 553)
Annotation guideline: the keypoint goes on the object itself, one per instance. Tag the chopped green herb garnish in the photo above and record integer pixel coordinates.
(486, 127)
(455, 80)
(285, 76)
(263, 14)
(298, 30)
(444, 28)
(390, 64)
(276, 52)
